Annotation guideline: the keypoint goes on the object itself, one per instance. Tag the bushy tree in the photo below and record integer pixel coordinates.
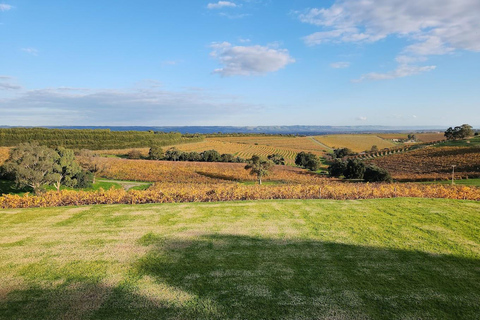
(65, 169)
(155, 153)
(343, 152)
(84, 179)
(259, 167)
(307, 161)
(376, 174)
(277, 159)
(226, 157)
(211, 156)
(194, 156)
(32, 165)
(374, 148)
(355, 169)
(337, 168)
(459, 132)
(173, 154)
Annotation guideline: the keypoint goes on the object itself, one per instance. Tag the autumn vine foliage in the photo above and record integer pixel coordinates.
(170, 193)
(432, 163)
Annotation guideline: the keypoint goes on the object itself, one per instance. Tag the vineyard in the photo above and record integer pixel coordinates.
(432, 163)
(355, 142)
(188, 192)
(294, 143)
(421, 137)
(197, 172)
(246, 150)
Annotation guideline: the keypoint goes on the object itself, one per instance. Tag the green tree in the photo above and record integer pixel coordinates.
(277, 159)
(355, 169)
(376, 174)
(65, 169)
(459, 132)
(173, 154)
(343, 152)
(307, 161)
(32, 165)
(337, 168)
(155, 153)
(211, 156)
(374, 148)
(259, 167)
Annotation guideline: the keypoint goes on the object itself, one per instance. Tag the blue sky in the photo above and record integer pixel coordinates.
(240, 62)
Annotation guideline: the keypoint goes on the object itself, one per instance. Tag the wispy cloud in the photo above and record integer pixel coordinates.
(32, 51)
(7, 83)
(403, 70)
(5, 7)
(340, 65)
(148, 103)
(222, 5)
(249, 60)
(436, 28)
(361, 118)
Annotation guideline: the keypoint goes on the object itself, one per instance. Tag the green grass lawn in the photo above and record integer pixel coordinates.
(316, 259)
(472, 142)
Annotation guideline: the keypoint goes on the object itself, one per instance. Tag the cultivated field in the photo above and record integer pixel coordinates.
(246, 147)
(373, 259)
(422, 137)
(355, 142)
(432, 163)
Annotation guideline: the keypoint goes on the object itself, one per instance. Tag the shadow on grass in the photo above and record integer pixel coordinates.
(239, 277)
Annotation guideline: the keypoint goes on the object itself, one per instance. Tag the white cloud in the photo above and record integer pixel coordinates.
(340, 65)
(6, 83)
(147, 103)
(435, 27)
(361, 118)
(5, 7)
(249, 60)
(32, 51)
(222, 4)
(403, 70)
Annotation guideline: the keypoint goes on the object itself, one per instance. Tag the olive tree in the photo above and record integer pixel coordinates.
(259, 167)
(33, 166)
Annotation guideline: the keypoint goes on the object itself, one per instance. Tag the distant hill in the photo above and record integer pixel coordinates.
(303, 130)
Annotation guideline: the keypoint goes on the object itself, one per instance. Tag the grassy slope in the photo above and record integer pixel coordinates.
(382, 259)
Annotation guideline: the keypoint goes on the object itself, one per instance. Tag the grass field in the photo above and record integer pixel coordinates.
(372, 259)
(355, 142)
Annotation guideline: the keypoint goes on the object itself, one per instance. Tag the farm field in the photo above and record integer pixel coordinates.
(421, 137)
(432, 163)
(355, 142)
(370, 259)
(246, 148)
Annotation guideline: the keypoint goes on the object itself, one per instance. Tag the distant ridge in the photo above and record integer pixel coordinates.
(298, 129)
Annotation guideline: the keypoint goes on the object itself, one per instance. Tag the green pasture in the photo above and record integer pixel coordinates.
(317, 259)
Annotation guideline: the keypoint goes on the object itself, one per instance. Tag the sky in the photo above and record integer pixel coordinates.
(240, 62)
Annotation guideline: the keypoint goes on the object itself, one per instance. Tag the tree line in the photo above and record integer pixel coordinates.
(459, 132)
(93, 139)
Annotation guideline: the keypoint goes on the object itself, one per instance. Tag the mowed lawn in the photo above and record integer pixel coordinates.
(371, 259)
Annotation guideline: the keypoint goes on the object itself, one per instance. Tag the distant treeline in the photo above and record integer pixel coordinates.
(99, 139)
